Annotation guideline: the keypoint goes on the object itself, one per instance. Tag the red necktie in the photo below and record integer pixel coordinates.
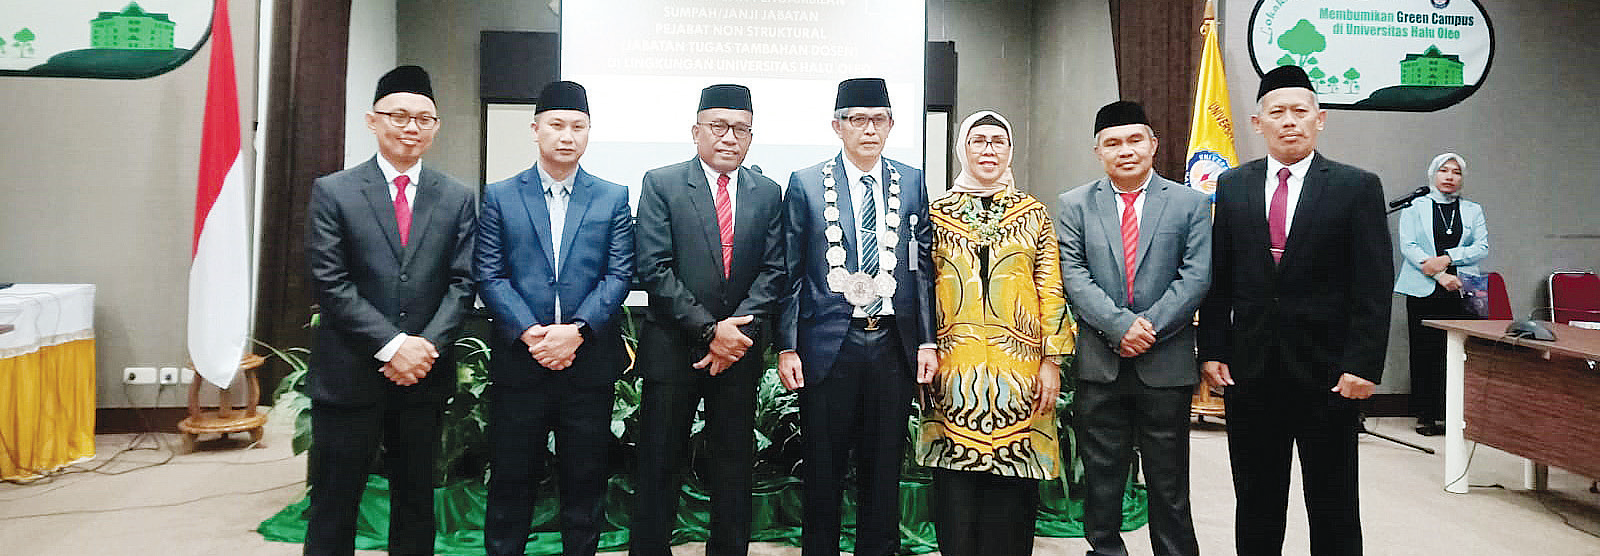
(725, 223)
(1130, 239)
(402, 209)
(1278, 215)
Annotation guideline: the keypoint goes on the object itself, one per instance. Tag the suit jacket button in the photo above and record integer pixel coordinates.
(404, 277)
(552, 281)
(402, 314)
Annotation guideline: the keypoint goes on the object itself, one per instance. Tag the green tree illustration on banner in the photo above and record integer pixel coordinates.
(24, 43)
(1350, 77)
(1303, 40)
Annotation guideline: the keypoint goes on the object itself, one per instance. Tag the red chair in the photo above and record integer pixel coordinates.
(1499, 303)
(1574, 295)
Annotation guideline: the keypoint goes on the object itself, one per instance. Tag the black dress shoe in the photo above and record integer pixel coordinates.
(1431, 430)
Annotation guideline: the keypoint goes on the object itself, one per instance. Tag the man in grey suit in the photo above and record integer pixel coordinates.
(710, 253)
(390, 252)
(1136, 263)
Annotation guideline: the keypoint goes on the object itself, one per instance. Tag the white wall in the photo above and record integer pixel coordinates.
(373, 49)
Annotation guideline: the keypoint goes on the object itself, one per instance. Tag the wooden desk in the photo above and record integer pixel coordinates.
(1539, 400)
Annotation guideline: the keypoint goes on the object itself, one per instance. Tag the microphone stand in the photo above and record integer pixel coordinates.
(1361, 416)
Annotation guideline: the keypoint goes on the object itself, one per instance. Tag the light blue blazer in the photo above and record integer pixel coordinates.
(1416, 244)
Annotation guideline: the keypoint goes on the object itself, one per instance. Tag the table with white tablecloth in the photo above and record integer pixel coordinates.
(47, 378)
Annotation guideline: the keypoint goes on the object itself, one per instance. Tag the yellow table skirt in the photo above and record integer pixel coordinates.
(46, 409)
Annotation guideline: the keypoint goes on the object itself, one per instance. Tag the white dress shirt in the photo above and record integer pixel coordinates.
(389, 174)
(557, 194)
(1138, 202)
(858, 192)
(733, 189)
(1297, 179)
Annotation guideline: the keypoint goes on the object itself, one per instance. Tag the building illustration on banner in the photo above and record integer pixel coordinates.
(1421, 55)
(83, 38)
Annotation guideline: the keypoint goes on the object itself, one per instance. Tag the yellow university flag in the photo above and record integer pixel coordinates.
(1211, 128)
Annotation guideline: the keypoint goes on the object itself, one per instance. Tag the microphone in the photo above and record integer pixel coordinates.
(1406, 200)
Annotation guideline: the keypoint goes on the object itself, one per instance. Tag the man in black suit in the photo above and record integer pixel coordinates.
(389, 248)
(1135, 263)
(855, 365)
(711, 256)
(554, 260)
(1297, 321)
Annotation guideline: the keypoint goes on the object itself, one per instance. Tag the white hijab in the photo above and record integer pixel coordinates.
(964, 182)
(1433, 168)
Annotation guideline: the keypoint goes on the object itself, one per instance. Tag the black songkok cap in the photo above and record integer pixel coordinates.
(735, 97)
(1284, 77)
(989, 119)
(563, 95)
(864, 92)
(1122, 112)
(404, 79)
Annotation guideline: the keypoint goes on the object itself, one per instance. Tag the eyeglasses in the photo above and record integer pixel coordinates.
(719, 129)
(401, 119)
(979, 144)
(860, 121)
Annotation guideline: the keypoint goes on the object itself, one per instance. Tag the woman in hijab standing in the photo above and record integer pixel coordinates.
(989, 430)
(1442, 236)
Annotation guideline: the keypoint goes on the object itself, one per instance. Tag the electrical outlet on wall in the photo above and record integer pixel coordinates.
(169, 375)
(139, 375)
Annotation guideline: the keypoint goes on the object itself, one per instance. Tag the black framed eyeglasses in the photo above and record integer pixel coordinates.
(980, 144)
(860, 121)
(401, 119)
(719, 129)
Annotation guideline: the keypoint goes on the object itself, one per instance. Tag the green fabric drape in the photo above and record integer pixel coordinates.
(777, 516)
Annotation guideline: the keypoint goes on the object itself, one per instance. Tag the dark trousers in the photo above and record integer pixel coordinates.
(862, 406)
(520, 422)
(344, 441)
(1113, 419)
(983, 514)
(666, 411)
(1427, 350)
(1267, 420)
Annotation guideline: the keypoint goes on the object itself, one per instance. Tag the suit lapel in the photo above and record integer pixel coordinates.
(747, 230)
(847, 213)
(376, 190)
(577, 206)
(538, 212)
(701, 195)
(1155, 203)
(426, 198)
(1105, 205)
(1311, 190)
(1260, 233)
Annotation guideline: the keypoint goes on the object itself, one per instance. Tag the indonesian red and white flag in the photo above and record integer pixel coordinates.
(219, 276)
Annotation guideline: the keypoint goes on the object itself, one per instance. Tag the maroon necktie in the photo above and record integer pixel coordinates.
(1130, 239)
(1278, 215)
(402, 209)
(725, 223)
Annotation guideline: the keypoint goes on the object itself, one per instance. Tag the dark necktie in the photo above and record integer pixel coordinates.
(402, 209)
(725, 224)
(869, 237)
(1130, 239)
(1278, 215)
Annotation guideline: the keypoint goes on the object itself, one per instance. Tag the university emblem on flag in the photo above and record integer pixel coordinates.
(1204, 167)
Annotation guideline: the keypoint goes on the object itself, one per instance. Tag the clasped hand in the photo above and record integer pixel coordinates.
(554, 346)
(727, 345)
(1138, 339)
(411, 362)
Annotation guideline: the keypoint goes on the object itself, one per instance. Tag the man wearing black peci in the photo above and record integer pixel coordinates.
(1297, 321)
(710, 252)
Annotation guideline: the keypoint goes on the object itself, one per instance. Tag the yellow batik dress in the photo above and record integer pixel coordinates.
(1000, 311)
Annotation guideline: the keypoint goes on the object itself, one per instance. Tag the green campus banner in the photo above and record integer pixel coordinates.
(118, 39)
(1410, 55)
